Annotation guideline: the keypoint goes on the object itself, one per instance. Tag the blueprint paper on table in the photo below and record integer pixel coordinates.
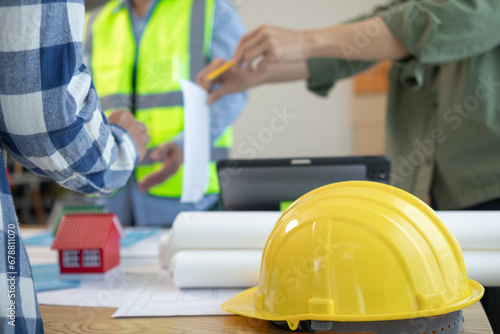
(196, 142)
(46, 278)
(160, 297)
(132, 236)
(141, 290)
(145, 248)
(40, 239)
(113, 291)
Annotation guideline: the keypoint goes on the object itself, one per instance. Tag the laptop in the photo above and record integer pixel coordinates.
(269, 184)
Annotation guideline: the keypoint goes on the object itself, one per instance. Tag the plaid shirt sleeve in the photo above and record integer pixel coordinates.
(50, 117)
(51, 122)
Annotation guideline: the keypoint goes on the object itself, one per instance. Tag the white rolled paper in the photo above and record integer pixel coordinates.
(483, 266)
(218, 230)
(216, 268)
(223, 249)
(474, 230)
(162, 254)
(236, 269)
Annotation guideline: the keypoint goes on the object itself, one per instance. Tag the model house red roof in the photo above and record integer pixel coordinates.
(85, 231)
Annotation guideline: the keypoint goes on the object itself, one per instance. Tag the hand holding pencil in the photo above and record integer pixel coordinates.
(220, 70)
(227, 79)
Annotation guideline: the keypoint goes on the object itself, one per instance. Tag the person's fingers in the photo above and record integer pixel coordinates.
(248, 36)
(201, 77)
(116, 113)
(247, 43)
(258, 51)
(141, 142)
(147, 138)
(120, 117)
(203, 83)
(154, 179)
(141, 130)
(137, 130)
(251, 34)
(142, 127)
(219, 80)
(238, 57)
(170, 167)
(215, 95)
(161, 152)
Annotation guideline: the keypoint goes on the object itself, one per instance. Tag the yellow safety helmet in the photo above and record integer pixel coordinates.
(356, 252)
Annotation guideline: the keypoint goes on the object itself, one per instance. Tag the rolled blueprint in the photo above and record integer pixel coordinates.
(216, 268)
(236, 269)
(474, 230)
(162, 254)
(217, 230)
(483, 266)
(223, 249)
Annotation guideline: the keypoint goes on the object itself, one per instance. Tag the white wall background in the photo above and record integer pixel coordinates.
(322, 126)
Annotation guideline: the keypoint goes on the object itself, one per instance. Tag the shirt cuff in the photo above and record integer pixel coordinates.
(119, 133)
(319, 83)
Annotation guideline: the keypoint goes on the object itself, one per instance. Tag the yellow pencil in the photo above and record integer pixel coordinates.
(218, 71)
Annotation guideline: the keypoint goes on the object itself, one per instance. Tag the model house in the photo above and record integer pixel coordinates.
(88, 243)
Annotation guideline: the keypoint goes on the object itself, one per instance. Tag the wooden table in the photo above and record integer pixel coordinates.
(79, 320)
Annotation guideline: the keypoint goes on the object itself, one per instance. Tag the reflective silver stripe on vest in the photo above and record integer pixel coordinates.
(116, 102)
(216, 155)
(170, 99)
(197, 39)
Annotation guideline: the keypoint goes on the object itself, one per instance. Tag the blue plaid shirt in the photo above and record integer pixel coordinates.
(51, 122)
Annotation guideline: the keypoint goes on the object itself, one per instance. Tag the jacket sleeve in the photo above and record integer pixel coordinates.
(51, 118)
(324, 72)
(443, 31)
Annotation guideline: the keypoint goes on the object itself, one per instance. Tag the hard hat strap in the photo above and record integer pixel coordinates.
(450, 323)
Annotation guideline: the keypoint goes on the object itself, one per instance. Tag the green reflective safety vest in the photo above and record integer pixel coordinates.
(145, 78)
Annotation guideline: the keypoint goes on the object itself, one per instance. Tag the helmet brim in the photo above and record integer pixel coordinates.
(243, 304)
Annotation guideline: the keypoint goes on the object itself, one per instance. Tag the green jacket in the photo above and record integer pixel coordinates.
(443, 121)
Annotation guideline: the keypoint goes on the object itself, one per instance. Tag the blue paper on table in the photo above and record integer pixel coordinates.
(46, 278)
(44, 239)
(135, 235)
(131, 237)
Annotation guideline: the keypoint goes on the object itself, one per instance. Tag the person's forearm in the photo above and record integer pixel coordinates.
(367, 40)
(282, 72)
